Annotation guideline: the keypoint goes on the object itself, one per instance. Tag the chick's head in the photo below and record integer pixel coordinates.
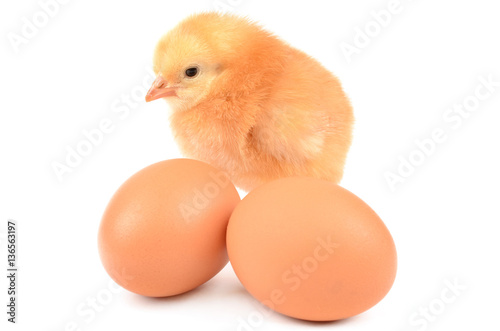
(186, 67)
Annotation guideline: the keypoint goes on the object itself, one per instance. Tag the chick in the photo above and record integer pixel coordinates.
(248, 103)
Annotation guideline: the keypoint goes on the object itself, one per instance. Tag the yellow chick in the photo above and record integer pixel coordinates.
(250, 104)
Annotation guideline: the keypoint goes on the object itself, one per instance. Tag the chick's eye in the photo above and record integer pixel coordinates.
(191, 72)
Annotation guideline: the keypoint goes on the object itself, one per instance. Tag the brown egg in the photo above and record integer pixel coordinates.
(163, 232)
(310, 249)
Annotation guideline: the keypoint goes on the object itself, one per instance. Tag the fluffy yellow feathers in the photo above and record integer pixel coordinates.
(249, 103)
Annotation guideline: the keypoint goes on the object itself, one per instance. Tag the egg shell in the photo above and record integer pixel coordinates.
(163, 232)
(311, 249)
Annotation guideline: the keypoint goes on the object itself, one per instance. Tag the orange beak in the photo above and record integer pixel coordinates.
(160, 89)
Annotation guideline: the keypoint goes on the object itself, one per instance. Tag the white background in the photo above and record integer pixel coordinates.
(444, 216)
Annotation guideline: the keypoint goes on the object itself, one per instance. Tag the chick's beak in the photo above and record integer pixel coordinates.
(160, 89)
